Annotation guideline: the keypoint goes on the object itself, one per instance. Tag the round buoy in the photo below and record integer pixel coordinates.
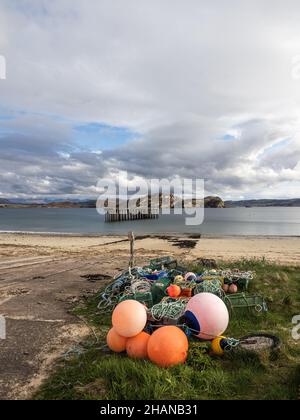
(179, 280)
(129, 318)
(207, 316)
(190, 277)
(116, 342)
(233, 289)
(225, 288)
(136, 347)
(168, 346)
(174, 291)
(218, 346)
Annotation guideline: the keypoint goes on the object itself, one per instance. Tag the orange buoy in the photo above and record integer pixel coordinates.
(136, 347)
(116, 342)
(168, 346)
(129, 318)
(174, 291)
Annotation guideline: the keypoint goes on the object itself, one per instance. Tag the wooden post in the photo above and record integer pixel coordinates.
(131, 238)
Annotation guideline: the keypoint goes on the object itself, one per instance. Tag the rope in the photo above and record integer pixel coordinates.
(171, 309)
(231, 343)
(231, 275)
(124, 285)
(140, 286)
(187, 284)
(211, 286)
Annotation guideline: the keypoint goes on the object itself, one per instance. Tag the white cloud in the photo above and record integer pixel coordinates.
(183, 74)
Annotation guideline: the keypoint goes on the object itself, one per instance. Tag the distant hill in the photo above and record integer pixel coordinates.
(4, 201)
(209, 202)
(22, 203)
(264, 203)
(71, 204)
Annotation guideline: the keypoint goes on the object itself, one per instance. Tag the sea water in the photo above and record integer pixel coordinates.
(268, 221)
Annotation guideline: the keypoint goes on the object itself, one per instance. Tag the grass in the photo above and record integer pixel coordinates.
(96, 374)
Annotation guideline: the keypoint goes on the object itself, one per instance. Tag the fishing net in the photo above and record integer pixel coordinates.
(149, 285)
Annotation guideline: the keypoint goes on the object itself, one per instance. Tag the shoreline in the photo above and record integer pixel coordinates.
(145, 236)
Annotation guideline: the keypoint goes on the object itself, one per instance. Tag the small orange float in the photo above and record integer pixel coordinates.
(174, 291)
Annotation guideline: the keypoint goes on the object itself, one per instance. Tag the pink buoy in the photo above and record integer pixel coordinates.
(207, 316)
(129, 318)
(226, 288)
(233, 289)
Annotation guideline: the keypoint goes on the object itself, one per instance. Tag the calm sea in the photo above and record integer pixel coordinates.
(237, 221)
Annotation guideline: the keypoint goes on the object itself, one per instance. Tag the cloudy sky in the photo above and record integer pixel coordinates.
(191, 88)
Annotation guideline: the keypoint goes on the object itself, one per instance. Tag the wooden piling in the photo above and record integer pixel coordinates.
(117, 215)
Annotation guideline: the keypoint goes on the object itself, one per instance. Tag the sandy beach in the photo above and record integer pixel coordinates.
(282, 250)
(43, 276)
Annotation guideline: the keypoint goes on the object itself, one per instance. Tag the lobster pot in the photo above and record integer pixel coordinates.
(168, 312)
(165, 321)
(210, 286)
(159, 289)
(163, 263)
(174, 273)
(242, 283)
(206, 278)
(144, 298)
(242, 303)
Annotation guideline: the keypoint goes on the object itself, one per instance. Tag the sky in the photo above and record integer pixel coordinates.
(161, 89)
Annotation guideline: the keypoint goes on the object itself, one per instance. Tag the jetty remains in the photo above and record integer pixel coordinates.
(124, 215)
